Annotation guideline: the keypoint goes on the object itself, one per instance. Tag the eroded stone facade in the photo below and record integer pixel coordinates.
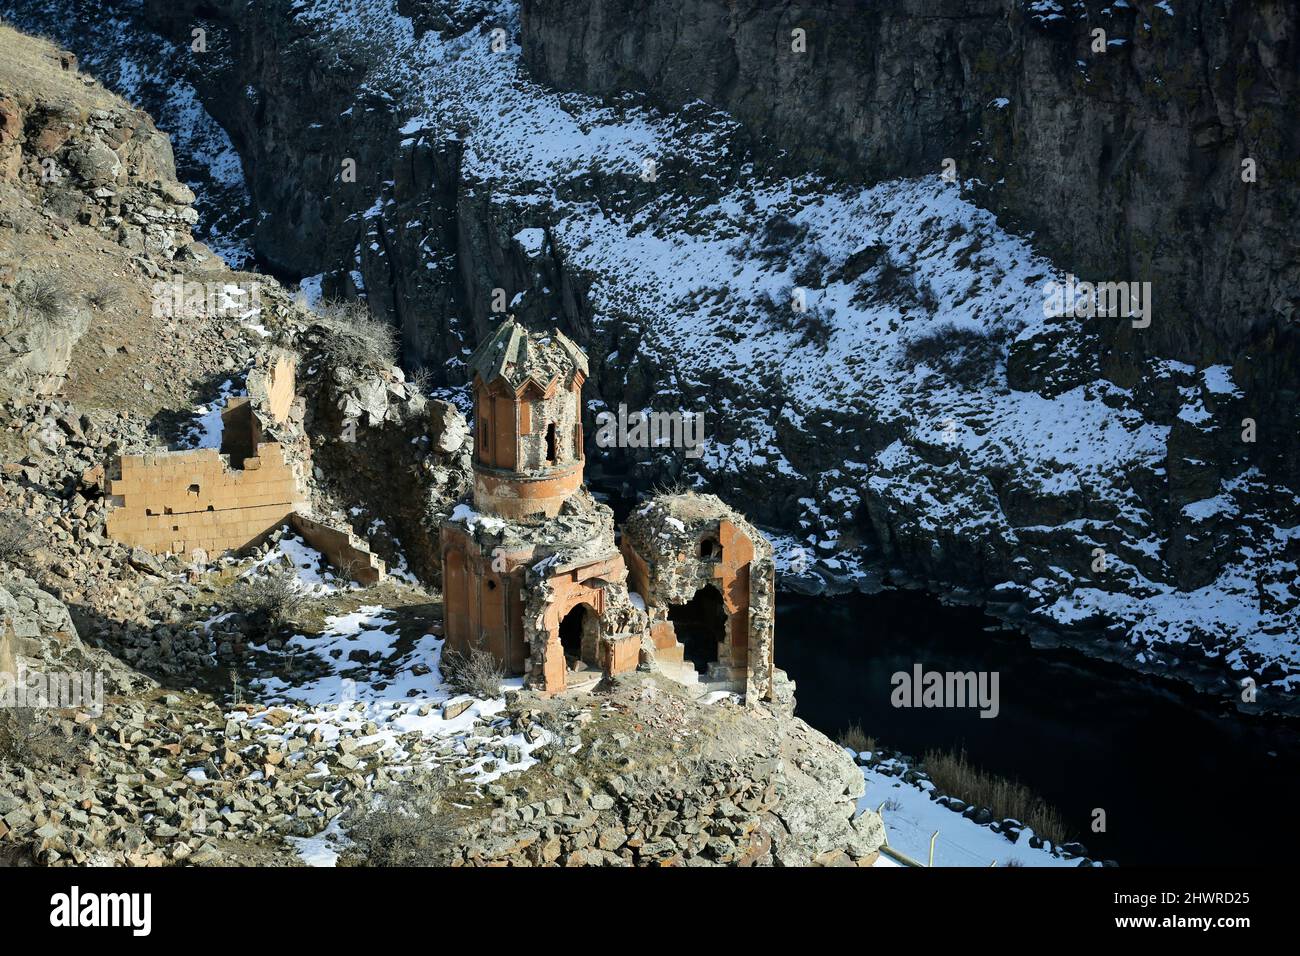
(528, 422)
(680, 547)
(532, 571)
(203, 502)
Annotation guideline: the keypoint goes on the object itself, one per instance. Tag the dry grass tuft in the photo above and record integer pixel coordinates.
(355, 338)
(954, 774)
(407, 826)
(475, 673)
(856, 739)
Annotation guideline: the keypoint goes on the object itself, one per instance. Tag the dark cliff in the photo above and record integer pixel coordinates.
(1125, 164)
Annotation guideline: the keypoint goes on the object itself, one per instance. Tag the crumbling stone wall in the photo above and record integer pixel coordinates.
(341, 548)
(554, 415)
(272, 385)
(507, 585)
(183, 501)
(677, 544)
(613, 645)
(225, 500)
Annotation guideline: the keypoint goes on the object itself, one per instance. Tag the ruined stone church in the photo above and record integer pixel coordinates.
(534, 572)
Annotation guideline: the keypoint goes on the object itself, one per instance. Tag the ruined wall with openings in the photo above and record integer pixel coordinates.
(677, 545)
(226, 499)
(184, 501)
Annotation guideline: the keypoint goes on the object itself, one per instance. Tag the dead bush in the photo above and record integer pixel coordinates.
(32, 738)
(856, 739)
(104, 296)
(18, 539)
(40, 295)
(406, 826)
(421, 380)
(475, 673)
(268, 601)
(966, 356)
(814, 324)
(355, 338)
(781, 233)
(955, 775)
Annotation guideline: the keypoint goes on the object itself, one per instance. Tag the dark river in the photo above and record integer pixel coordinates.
(1182, 781)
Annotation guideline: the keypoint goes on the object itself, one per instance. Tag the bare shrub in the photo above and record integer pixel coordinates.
(856, 739)
(781, 233)
(407, 826)
(965, 355)
(421, 380)
(475, 673)
(104, 296)
(41, 295)
(954, 774)
(673, 487)
(18, 539)
(813, 324)
(355, 337)
(32, 738)
(268, 600)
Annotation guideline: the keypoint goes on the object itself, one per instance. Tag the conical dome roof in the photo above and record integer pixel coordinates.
(518, 355)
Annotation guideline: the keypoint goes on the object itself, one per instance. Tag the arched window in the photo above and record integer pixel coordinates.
(552, 450)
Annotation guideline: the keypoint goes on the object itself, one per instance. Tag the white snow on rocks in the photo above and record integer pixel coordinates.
(911, 818)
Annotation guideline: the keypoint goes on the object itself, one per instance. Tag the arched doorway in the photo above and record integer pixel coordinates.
(580, 637)
(701, 625)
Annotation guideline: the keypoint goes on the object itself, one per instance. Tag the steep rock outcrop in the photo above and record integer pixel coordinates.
(1126, 163)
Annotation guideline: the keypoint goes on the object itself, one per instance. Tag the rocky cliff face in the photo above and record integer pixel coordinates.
(920, 408)
(1125, 163)
(1121, 153)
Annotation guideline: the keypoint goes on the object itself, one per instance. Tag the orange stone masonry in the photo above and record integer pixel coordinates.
(532, 573)
(182, 501)
(214, 501)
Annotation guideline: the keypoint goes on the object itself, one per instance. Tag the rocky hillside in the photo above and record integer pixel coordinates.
(1123, 160)
(1130, 490)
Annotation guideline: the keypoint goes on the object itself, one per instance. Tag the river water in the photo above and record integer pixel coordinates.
(1182, 780)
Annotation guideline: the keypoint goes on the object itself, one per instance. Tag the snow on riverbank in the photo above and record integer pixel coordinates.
(911, 817)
